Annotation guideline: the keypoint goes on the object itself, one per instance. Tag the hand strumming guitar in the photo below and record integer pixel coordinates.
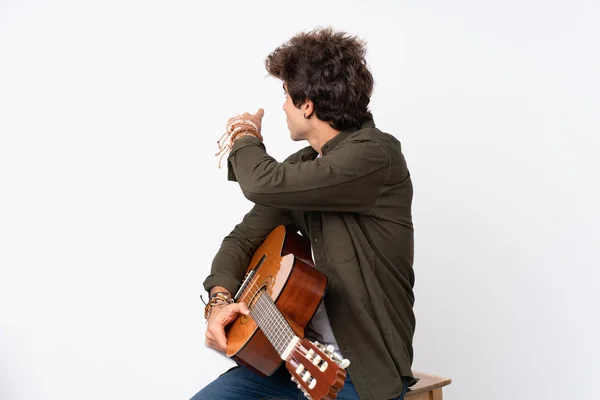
(220, 314)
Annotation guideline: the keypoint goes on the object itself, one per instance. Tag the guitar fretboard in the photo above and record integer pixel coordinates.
(271, 322)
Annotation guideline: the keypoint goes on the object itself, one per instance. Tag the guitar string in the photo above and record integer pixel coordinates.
(275, 311)
(262, 306)
(283, 329)
(272, 331)
(265, 305)
(284, 332)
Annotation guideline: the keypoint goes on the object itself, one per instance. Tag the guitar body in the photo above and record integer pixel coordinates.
(283, 266)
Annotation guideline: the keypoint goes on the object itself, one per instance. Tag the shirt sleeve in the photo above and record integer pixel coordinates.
(348, 179)
(231, 261)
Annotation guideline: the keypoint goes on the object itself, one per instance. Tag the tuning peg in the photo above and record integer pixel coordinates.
(345, 363)
(329, 349)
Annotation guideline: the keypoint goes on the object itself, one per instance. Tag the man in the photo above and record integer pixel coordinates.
(350, 192)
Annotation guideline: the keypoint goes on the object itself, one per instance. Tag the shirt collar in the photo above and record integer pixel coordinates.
(310, 153)
(331, 144)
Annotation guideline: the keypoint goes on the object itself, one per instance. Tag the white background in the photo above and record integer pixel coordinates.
(112, 206)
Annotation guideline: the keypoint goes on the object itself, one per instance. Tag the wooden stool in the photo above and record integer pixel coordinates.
(429, 387)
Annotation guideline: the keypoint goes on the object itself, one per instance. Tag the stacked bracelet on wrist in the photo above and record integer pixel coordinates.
(216, 299)
(236, 128)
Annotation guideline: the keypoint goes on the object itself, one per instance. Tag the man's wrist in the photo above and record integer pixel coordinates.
(217, 298)
(216, 289)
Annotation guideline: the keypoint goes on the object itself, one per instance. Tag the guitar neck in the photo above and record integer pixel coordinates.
(273, 324)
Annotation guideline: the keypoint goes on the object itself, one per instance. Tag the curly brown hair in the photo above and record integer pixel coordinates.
(329, 68)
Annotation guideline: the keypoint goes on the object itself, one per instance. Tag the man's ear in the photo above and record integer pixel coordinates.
(308, 108)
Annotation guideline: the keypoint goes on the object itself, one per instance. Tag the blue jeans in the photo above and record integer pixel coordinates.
(240, 383)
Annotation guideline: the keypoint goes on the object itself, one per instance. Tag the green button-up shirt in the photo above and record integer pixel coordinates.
(354, 203)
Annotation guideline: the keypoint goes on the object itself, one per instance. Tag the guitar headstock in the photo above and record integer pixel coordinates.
(317, 370)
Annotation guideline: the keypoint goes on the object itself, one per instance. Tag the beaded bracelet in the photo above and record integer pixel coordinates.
(236, 128)
(215, 299)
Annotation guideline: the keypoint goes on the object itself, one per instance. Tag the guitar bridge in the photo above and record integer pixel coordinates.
(245, 283)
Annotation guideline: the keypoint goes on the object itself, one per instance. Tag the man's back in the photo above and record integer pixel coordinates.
(367, 258)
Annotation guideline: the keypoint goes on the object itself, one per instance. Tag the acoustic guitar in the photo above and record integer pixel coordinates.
(283, 290)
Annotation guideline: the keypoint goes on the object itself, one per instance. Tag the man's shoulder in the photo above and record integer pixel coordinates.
(378, 144)
(377, 135)
(306, 153)
(374, 137)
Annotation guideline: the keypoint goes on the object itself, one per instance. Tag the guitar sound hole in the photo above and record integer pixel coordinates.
(256, 296)
(253, 293)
